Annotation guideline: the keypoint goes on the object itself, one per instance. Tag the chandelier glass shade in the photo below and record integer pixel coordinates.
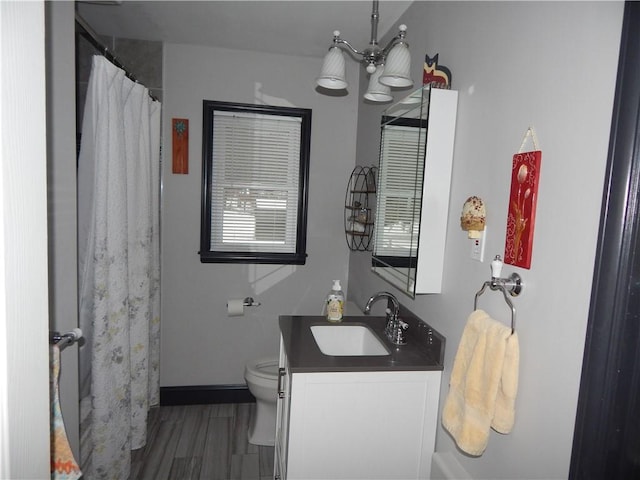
(396, 71)
(333, 73)
(377, 92)
(388, 67)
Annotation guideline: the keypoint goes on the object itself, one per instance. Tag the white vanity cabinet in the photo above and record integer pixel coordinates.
(355, 424)
(282, 416)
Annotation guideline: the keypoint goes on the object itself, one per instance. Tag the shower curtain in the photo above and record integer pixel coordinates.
(119, 266)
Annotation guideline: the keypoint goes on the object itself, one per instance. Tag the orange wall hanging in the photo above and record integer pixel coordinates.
(521, 218)
(180, 145)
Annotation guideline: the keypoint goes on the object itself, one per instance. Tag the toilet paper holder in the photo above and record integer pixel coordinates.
(250, 302)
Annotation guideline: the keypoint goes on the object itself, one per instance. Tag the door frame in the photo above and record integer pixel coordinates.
(606, 443)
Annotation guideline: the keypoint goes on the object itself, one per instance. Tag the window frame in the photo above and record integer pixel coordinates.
(207, 255)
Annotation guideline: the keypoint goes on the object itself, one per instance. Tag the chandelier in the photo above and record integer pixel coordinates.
(388, 67)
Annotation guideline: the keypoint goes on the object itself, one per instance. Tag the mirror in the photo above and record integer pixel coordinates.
(414, 177)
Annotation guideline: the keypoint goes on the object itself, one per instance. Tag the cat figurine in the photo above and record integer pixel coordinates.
(434, 74)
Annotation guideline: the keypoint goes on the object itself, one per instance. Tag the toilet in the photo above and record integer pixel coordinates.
(261, 376)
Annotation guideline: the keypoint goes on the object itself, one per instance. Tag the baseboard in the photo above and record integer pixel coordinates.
(205, 395)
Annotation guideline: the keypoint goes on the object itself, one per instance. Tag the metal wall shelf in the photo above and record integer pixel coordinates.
(359, 208)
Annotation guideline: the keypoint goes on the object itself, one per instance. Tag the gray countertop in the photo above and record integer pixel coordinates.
(424, 349)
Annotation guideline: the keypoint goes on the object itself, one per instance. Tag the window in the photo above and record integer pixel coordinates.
(254, 183)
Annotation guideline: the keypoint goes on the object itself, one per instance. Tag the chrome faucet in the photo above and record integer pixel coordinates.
(395, 327)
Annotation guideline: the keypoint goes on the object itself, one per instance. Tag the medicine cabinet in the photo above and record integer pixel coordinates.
(414, 177)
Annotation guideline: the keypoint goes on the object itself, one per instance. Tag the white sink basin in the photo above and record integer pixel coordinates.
(347, 340)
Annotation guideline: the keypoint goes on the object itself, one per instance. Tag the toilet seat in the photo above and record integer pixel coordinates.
(265, 368)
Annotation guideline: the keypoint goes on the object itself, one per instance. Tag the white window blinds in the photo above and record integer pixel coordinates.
(255, 176)
(398, 198)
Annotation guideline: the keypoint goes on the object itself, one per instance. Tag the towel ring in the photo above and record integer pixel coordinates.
(512, 284)
(494, 286)
(63, 341)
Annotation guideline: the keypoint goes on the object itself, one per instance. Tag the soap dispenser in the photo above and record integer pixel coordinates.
(335, 303)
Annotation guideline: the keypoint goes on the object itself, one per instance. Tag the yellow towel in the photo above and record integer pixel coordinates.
(483, 385)
(63, 464)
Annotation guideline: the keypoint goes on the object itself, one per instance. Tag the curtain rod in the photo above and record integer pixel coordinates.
(89, 34)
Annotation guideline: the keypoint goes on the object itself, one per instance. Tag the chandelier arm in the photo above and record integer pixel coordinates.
(340, 41)
(392, 43)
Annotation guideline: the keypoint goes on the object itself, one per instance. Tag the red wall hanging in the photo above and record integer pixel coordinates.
(521, 218)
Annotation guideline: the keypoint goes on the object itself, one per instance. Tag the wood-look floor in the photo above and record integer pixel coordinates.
(201, 442)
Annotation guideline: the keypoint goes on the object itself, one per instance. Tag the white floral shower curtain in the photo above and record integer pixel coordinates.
(119, 265)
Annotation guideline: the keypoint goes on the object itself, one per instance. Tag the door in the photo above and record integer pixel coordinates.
(24, 351)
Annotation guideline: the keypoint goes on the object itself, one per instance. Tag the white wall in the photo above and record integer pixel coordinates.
(201, 345)
(550, 65)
